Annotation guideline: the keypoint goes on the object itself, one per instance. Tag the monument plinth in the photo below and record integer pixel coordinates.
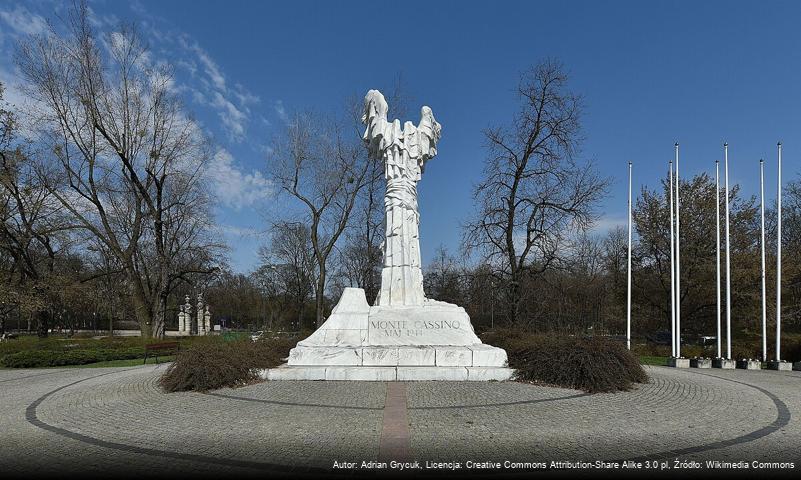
(404, 336)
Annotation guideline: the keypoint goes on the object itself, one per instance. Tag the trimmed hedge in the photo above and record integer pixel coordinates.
(592, 364)
(55, 358)
(215, 363)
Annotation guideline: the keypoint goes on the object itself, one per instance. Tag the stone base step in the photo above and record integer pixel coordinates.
(477, 355)
(386, 374)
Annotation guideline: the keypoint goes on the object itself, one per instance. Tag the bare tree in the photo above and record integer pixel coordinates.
(320, 162)
(534, 194)
(33, 229)
(651, 255)
(130, 164)
(443, 279)
(291, 261)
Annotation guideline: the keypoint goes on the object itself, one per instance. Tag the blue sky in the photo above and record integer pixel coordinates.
(651, 73)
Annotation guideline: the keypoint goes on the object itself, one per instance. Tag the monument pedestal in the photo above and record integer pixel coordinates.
(387, 374)
(434, 341)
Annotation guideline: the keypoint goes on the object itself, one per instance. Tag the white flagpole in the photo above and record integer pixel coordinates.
(678, 262)
(762, 245)
(672, 270)
(628, 293)
(717, 244)
(728, 253)
(779, 259)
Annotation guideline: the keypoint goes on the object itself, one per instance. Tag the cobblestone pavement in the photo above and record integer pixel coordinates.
(100, 420)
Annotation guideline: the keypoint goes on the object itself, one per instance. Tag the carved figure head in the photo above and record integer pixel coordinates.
(375, 106)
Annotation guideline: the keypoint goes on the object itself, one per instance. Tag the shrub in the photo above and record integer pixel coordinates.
(592, 364)
(78, 356)
(56, 351)
(271, 352)
(216, 363)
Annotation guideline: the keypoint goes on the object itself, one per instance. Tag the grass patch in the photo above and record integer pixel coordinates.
(134, 362)
(654, 360)
(216, 363)
(592, 364)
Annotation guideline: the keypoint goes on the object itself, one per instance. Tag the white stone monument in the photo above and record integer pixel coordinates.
(207, 319)
(181, 321)
(187, 309)
(405, 336)
(202, 329)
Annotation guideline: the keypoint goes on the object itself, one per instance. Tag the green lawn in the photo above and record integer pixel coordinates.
(653, 360)
(132, 362)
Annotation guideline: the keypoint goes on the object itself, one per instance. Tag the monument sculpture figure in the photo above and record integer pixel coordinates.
(404, 154)
(404, 336)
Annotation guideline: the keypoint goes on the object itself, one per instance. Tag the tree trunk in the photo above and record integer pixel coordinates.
(320, 294)
(159, 323)
(160, 319)
(142, 310)
(514, 300)
(41, 328)
(301, 305)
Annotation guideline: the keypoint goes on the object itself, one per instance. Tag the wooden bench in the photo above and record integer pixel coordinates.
(160, 347)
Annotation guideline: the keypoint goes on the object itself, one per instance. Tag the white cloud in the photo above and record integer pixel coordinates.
(236, 231)
(189, 65)
(245, 97)
(202, 82)
(281, 111)
(209, 65)
(206, 83)
(234, 188)
(605, 224)
(23, 21)
(231, 104)
(199, 97)
(232, 117)
(11, 93)
(100, 21)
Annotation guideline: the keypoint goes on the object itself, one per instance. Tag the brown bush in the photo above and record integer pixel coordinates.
(271, 352)
(593, 364)
(213, 363)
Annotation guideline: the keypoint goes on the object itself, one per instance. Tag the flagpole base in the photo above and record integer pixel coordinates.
(780, 365)
(700, 363)
(749, 364)
(724, 363)
(679, 362)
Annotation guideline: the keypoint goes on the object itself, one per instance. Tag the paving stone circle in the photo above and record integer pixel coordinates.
(58, 421)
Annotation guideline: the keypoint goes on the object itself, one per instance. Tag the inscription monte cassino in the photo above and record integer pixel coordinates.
(411, 328)
(404, 324)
